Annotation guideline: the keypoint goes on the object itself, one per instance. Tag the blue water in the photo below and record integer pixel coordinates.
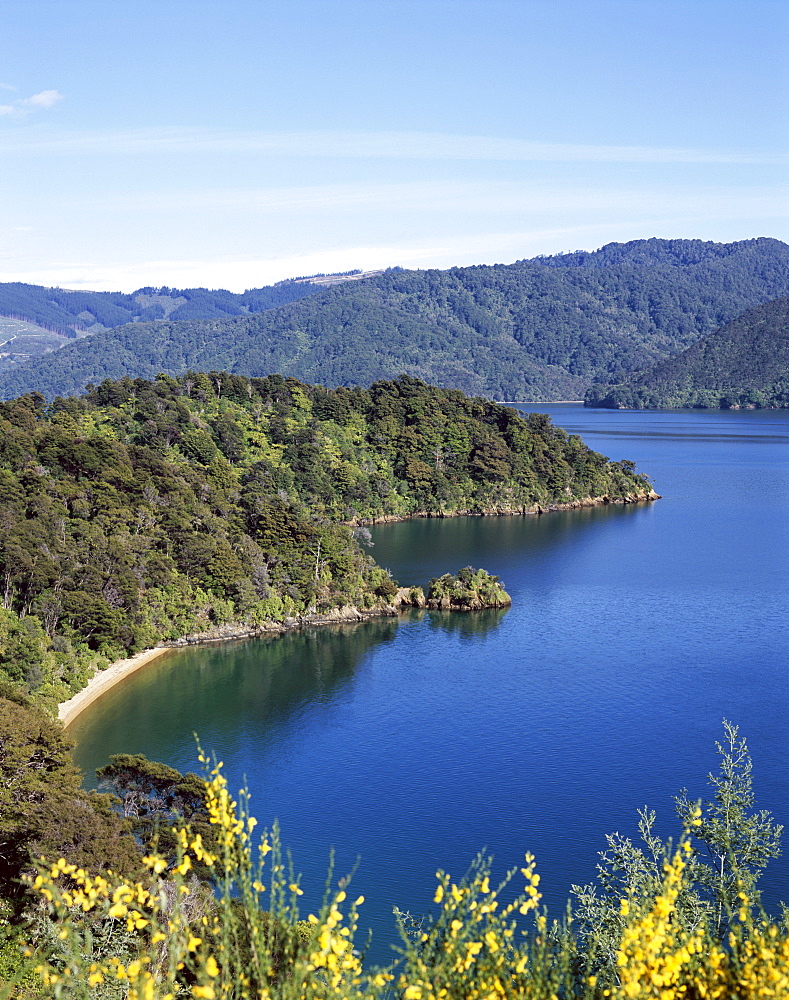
(412, 745)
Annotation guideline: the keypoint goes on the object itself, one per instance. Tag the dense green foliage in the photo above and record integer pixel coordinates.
(43, 809)
(537, 329)
(154, 798)
(678, 922)
(470, 590)
(145, 511)
(66, 311)
(743, 364)
(733, 845)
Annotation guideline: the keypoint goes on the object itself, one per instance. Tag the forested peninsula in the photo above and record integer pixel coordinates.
(545, 328)
(145, 511)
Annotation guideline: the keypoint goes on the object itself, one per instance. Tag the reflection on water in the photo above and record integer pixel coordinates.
(224, 692)
(415, 551)
(465, 624)
(414, 743)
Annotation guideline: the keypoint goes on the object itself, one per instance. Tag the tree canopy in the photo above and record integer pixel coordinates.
(43, 809)
(544, 328)
(743, 364)
(148, 510)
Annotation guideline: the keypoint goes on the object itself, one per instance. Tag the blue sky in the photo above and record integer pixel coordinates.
(235, 143)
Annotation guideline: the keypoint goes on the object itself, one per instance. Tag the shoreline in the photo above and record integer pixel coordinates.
(524, 511)
(535, 402)
(101, 683)
(105, 680)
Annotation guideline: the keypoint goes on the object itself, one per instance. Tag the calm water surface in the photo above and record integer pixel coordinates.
(416, 743)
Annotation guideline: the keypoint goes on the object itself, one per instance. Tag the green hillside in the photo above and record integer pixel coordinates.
(66, 311)
(743, 364)
(145, 511)
(538, 329)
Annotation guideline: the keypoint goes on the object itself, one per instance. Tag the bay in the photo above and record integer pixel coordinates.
(408, 745)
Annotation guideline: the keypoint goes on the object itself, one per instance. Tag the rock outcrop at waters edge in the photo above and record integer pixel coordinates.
(471, 590)
(509, 511)
(336, 616)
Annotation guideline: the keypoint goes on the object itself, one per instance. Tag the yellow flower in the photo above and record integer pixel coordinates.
(155, 863)
(184, 866)
(491, 941)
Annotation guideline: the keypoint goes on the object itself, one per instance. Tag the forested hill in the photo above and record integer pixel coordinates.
(35, 320)
(144, 510)
(545, 328)
(66, 311)
(743, 364)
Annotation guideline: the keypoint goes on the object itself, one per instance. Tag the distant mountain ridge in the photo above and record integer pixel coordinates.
(37, 319)
(539, 329)
(69, 312)
(743, 364)
(651, 252)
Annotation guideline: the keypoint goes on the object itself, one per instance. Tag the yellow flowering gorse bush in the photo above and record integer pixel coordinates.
(486, 942)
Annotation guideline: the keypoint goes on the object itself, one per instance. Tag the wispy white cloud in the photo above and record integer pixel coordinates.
(236, 273)
(44, 99)
(356, 145)
(24, 105)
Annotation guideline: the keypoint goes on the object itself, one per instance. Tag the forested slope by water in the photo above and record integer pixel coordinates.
(743, 364)
(544, 328)
(144, 511)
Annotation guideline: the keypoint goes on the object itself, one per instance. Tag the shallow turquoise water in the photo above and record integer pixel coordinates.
(413, 744)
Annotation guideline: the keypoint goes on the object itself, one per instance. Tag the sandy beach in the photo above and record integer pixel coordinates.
(115, 672)
(103, 681)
